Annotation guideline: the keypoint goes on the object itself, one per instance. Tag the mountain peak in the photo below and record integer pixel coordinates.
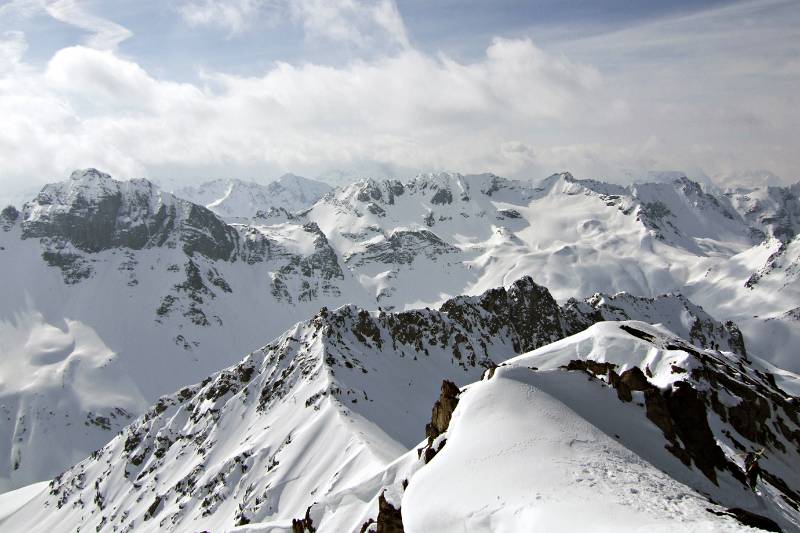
(436, 177)
(562, 176)
(291, 178)
(89, 174)
(235, 199)
(94, 212)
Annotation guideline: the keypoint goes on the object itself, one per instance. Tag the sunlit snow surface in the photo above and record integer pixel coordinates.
(536, 448)
(73, 355)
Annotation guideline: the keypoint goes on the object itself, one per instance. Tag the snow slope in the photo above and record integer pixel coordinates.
(327, 406)
(577, 237)
(551, 470)
(235, 199)
(139, 292)
(329, 401)
(571, 434)
(537, 445)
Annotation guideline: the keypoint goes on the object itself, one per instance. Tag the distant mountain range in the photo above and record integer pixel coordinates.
(236, 199)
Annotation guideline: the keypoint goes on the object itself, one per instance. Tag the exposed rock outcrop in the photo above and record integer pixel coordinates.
(8, 217)
(442, 411)
(303, 525)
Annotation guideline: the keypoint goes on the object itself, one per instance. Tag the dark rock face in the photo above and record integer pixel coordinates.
(528, 310)
(154, 508)
(370, 192)
(74, 267)
(317, 271)
(766, 418)
(736, 338)
(396, 188)
(9, 213)
(257, 247)
(634, 380)
(190, 295)
(402, 247)
(207, 235)
(509, 213)
(380, 191)
(442, 411)
(656, 217)
(688, 420)
(93, 213)
(778, 216)
(505, 321)
(324, 262)
(389, 519)
(442, 196)
(631, 380)
(303, 525)
(534, 313)
(375, 209)
(8, 217)
(595, 368)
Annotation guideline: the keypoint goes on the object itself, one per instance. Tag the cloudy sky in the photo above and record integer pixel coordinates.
(198, 89)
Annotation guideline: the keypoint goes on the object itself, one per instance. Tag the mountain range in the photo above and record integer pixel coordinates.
(553, 308)
(236, 199)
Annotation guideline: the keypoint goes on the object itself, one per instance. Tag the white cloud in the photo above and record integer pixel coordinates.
(91, 107)
(357, 22)
(105, 34)
(233, 16)
(360, 23)
(387, 16)
(21, 9)
(12, 47)
(519, 110)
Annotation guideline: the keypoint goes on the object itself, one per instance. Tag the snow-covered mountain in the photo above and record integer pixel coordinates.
(120, 292)
(560, 439)
(324, 429)
(578, 237)
(774, 209)
(234, 199)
